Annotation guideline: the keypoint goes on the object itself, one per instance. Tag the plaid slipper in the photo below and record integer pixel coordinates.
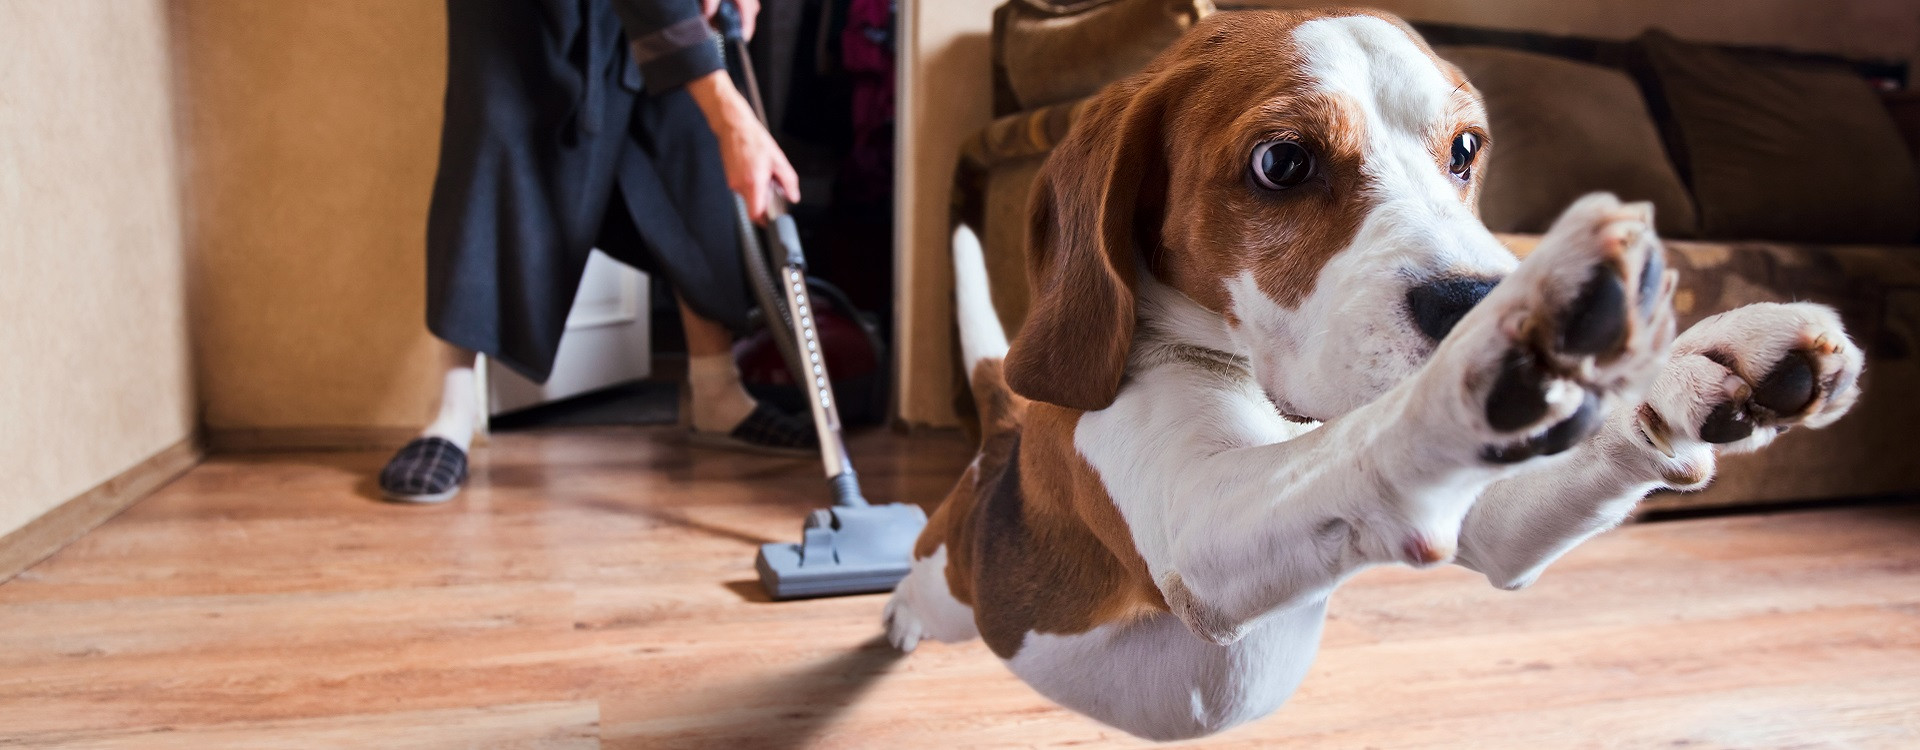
(427, 470)
(766, 430)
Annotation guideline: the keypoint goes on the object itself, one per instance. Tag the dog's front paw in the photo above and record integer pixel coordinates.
(1740, 378)
(903, 625)
(1587, 318)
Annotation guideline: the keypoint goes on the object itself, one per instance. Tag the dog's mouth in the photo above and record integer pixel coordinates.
(1286, 410)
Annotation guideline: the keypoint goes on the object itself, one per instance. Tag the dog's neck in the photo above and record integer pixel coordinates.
(1172, 328)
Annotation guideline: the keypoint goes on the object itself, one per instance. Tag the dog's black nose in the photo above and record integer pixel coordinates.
(1437, 305)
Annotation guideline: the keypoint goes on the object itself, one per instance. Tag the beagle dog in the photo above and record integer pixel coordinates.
(1272, 345)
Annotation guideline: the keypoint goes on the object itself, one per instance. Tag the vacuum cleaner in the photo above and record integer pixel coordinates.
(854, 547)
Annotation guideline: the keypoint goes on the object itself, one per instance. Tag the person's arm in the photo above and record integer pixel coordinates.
(752, 159)
(674, 47)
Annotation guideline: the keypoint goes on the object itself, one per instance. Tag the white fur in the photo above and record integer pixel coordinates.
(923, 607)
(1248, 521)
(981, 335)
(1154, 679)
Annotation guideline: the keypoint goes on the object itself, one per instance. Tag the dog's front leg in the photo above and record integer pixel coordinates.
(1233, 535)
(1735, 381)
(1266, 529)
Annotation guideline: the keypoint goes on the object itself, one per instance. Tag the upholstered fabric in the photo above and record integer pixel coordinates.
(1778, 149)
(1023, 135)
(1053, 52)
(1904, 106)
(1561, 129)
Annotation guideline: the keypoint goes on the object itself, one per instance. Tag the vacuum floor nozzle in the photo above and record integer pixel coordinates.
(845, 550)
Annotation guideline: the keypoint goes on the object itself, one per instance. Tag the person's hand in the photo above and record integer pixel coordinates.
(749, 10)
(754, 162)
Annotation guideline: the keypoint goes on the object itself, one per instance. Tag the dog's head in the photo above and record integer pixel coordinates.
(1307, 176)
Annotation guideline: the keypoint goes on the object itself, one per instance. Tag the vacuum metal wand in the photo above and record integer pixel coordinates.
(782, 236)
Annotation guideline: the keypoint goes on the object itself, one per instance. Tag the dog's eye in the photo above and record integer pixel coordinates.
(1465, 147)
(1278, 165)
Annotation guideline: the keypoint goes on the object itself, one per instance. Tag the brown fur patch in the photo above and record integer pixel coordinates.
(1034, 543)
(1054, 555)
(1001, 411)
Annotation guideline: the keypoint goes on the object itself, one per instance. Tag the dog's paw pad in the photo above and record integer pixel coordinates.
(1728, 422)
(1519, 394)
(1741, 377)
(1790, 388)
(1597, 320)
(1588, 317)
(1555, 439)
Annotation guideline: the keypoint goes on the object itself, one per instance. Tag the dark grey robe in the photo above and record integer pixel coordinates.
(556, 142)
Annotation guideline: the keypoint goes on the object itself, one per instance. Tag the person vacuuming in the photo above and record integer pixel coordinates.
(570, 126)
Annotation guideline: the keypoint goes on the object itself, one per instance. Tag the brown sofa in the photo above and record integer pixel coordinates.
(1847, 239)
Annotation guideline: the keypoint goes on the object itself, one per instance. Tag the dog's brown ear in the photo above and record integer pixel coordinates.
(1094, 210)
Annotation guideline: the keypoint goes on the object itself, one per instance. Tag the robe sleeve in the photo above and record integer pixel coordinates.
(671, 41)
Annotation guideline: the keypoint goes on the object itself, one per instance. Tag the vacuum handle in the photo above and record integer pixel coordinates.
(727, 21)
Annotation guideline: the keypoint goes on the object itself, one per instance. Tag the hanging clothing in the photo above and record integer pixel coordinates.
(567, 128)
(867, 54)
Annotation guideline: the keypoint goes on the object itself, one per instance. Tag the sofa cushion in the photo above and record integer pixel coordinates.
(1904, 107)
(1779, 149)
(1052, 52)
(1561, 129)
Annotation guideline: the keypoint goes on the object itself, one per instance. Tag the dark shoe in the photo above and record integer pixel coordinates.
(766, 430)
(427, 470)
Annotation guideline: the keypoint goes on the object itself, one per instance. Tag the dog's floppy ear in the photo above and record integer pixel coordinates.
(1094, 210)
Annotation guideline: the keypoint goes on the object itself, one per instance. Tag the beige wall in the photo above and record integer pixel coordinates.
(313, 131)
(95, 376)
(947, 93)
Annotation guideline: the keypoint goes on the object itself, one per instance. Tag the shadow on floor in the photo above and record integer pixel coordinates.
(792, 710)
(675, 519)
(749, 590)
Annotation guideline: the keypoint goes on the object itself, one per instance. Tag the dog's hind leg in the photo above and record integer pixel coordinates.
(1735, 381)
(924, 604)
(923, 607)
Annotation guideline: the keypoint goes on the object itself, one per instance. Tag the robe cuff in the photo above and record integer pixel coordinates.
(679, 53)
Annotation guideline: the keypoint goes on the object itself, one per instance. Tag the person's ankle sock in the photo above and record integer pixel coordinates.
(457, 404)
(719, 402)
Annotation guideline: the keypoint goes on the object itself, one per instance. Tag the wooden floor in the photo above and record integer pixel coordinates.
(595, 588)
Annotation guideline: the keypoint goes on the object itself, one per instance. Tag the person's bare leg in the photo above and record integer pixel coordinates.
(719, 402)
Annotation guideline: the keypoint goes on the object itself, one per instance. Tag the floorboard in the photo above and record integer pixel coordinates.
(594, 588)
